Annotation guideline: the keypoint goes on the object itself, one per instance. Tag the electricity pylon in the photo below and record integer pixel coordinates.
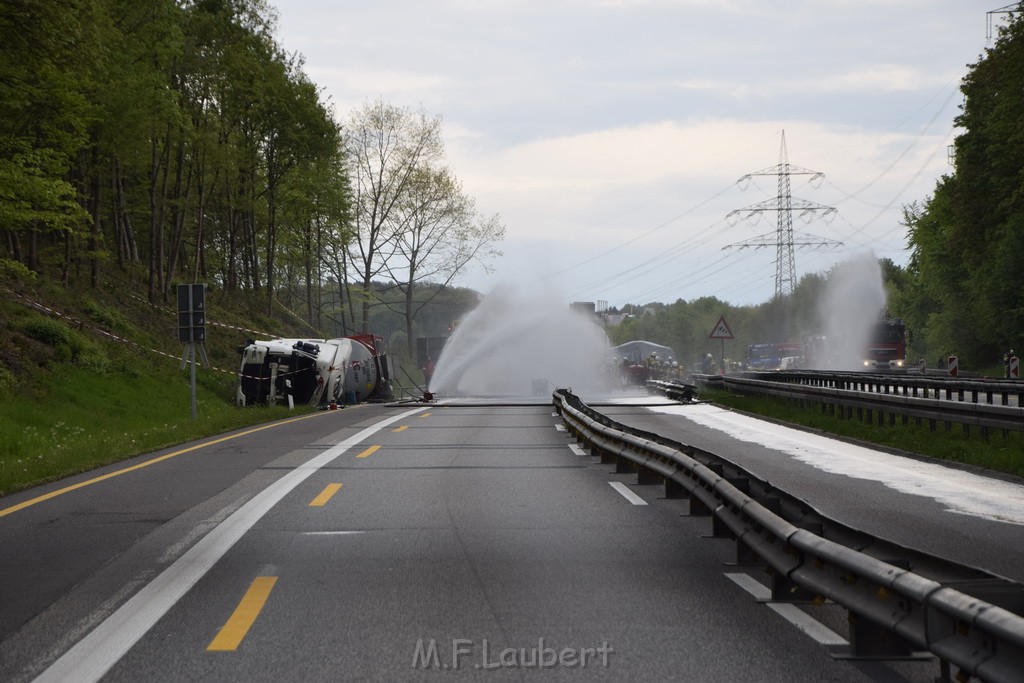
(784, 239)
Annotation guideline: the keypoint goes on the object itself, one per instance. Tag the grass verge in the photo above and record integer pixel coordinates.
(80, 420)
(1002, 453)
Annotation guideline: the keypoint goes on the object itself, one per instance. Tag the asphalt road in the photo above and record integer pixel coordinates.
(381, 543)
(918, 520)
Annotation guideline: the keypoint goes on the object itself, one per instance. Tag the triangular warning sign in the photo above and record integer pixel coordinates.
(721, 330)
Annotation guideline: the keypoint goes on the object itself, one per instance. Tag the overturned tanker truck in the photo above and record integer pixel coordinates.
(313, 371)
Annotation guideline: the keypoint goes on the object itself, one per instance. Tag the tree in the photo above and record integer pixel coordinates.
(440, 235)
(45, 64)
(387, 146)
(966, 237)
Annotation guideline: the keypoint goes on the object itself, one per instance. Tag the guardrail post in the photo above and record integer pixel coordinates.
(645, 476)
(870, 641)
(747, 556)
(698, 508)
(674, 490)
(624, 465)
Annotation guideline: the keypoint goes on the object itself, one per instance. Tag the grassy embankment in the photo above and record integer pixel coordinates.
(998, 452)
(72, 399)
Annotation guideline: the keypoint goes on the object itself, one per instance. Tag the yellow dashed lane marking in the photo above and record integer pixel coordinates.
(401, 429)
(424, 415)
(232, 633)
(126, 470)
(369, 451)
(325, 495)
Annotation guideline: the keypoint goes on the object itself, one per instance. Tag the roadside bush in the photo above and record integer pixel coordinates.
(111, 319)
(94, 360)
(68, 345)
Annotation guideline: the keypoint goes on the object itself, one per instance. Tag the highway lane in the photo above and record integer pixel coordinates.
(52, 545)
(470, 530)
(907, 513)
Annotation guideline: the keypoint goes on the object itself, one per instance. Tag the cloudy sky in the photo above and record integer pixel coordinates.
(610, 134)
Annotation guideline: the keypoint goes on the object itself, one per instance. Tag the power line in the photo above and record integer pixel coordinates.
(990, 15)
(784, 239)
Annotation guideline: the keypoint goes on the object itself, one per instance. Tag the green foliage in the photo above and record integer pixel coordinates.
(73, 399)
(7, 380)
(15, 271)
(95, 420)
(105, 316)
(68, 344)
(147, 133)
(967, 270)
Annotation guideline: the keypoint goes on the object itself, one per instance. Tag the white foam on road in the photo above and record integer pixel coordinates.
(959, 491)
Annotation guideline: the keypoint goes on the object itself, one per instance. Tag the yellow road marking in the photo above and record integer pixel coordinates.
(401, 429)
(325, 495)
(368, 452)
(231, 634)
(126, 470)
(424, 415)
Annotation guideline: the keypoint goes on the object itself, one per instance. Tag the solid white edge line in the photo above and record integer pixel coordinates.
(98, 652)
(808, 624)
(577, 449)
(626, 493)
(751, 585)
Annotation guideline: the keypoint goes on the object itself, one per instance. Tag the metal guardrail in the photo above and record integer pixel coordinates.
(898, 598)
(868, 405)
(906, 384)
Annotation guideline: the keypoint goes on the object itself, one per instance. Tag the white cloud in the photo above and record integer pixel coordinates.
(586, 124)
(713, 150)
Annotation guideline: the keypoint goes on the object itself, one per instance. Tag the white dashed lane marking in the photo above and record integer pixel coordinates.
(790, 612)
(626, 493)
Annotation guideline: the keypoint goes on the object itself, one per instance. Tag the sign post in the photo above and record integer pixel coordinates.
(192, 330)
(721, 332)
